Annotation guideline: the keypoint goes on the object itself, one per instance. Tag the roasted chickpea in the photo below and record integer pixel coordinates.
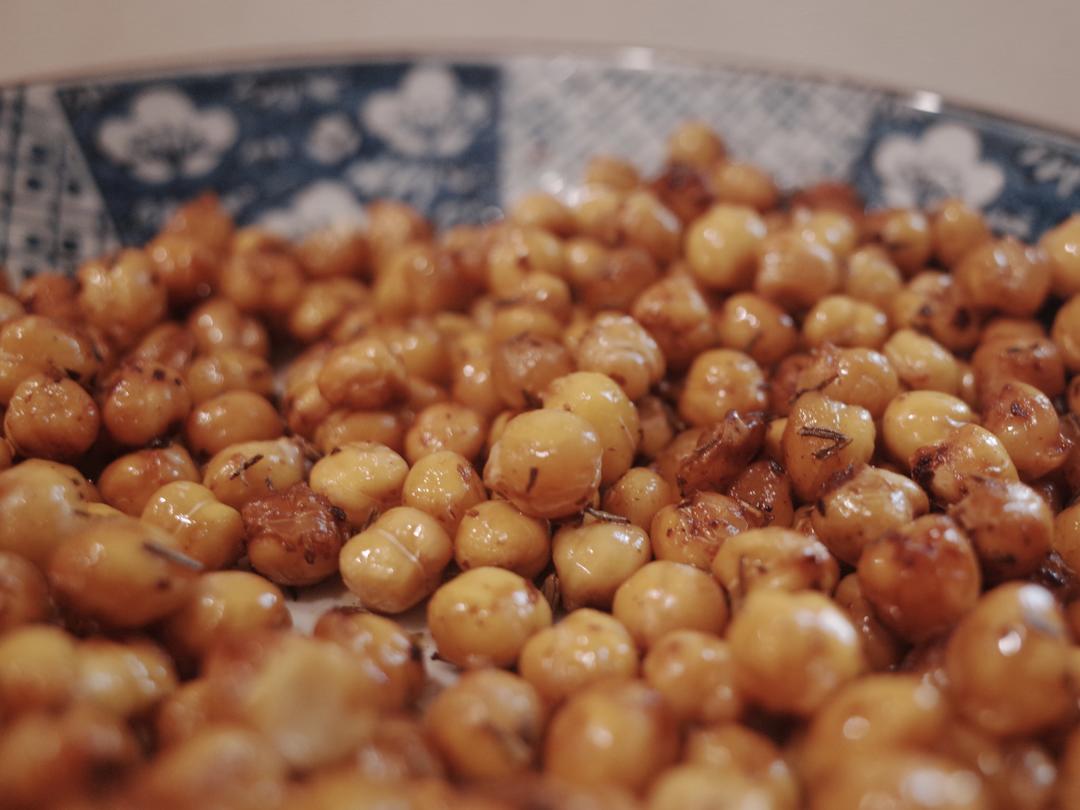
(24, 593)
(593, 560)
(170, 344)
(922, 363)
(398, 750)
(695, 529)
(397, 561)
(123, 296)
(51, 418)
(905, 780)
(776, 558)
(472, 384)
(322, 305)
(854, 376)
(1004, 275)
(205, 220)
(495, 533)
(446, 486)
(53, 295)
(144, 402)
(419, 279)
(43, 503)
(822, 438)
(392, 224)
(129, 482)
(1035, 361)
(1010, 525)
(663, 596)
(784, 386)
(647, 223)
(695, 674)
(956, 229)
(219, 324)
(185, 265)
(968, 454)
(658, 421)
(38, 669)
(844, 321)
(1025, 421)
(794, 272)
(249, 470)
(360, 478)
(122, 572)
(362, 374)
(389, 657)
(615, 732)
(618, 346)
(721, 247)
(719, 381)
(744, 184)
(765, 487)
(676, 316)
(261, 275)
(696, 144)
(611, 171)
(792, 650)
(904, 234)
(754, 325)
(730, 747)
(124, 679)
(919, 418)
(880, 645)
(608, 279)
(931, 304)
(236, 416)
(228, 370)
(35, 344)
(638, 495)
(487, 725)
(1068, 785)
(688, 786)
(523, 366)
(872, 277)
(334, 251)
(341, 427)
(445, 426)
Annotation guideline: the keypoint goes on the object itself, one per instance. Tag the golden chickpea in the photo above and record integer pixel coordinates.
(922, 363)
(638, 495)
(123, 296)
(472, 384)
(52, 418)
(228, 370)
(35, 344)
(795, 273)
(616, 345)
(1004, 275)
(236, 416)
(1066, 540)
(495, 533)
(744, 184)
(696, 787)
(419, 345)
(399, 750)
(1068, 785)
(930, 303)
(968, 454)
(845, 321)
(24, 593)
(322, 305)
(1010, 525)
(360, 478)
(362, 374)
(130, 481)
(388, 655)
(677, 317)
(516, 252)
(1035, 361)
(186, 266)
(696, 144)
(484, 617)
(341, 427)
(249, 470)
(693, 530)
(1066, 333)
(218, 324)
(730, 747)
(615, 732)
(792, 650)
(52, 295)
(124, 679)
(121, 572)
(38, 669)
(854, 376)
(262, 277)
(695, 674)
(647, 223)
(585, 647)
(170, 344)
(334, 251)
(774, 558)
(1025, 421)
(754, 325)
(1062, 246)
(419, 279)
(921, 578)
(547, 463)
(593, 560)
(904, 234)
(823, 437)
(919, 418)
(10, 308)
(43, 503)
(397, 561)
(545, 211)
(596, 209)
(446, 486)
(392, 224)
(487, 725)
(834, 229)
(904, 780)
(663, 596)
(523, 366)
(611, 171)
(609, 279)
(955, 230)
(1008, 662)
(721, 247)
(183, 713)
(144, 402)
(873, 278)
(1020, 774)
(864, 504)
(880, 646)
(204, 219)
(719, 381)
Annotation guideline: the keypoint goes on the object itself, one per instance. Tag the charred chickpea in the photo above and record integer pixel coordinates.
(677, 319)
(261, 275)
(51, 418)
(38, 669)
(922, 363)
(722, 245)
(955, 230)
(930, 303)
(872, 277)
(360, 478)
(35, 344)
(618, 346)
(693, 530)
(228, 370)
(487, 725)
(754, 325)
(792, 650)
(918, 418)
(695, 674)
(719, 381)
(204, 528)
(235, 416)
(219, 324)
(523, 366)
(585, 647)
(129, 482)
(1004, 275)
(446, 486)
(663, 596)
(638, 495)
(24, 593)
(396, 561)
(593, 560)
(968, 454)
(854, 376)
(795, 273)
(386, 653)
(823, 437)
(144, 402)
(123, 296)
(616, 732)
(880, 645)
(484, 616)
(1036, 361)
(764, 486)
(1009, 524)
(249, 470)
(43, 503)
(1025, 421)
(774, 558)
(495, 533)
(845, 321)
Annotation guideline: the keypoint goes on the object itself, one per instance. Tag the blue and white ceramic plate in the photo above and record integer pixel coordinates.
(91, 164)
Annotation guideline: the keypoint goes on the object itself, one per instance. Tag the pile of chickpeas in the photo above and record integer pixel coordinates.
(712, 496)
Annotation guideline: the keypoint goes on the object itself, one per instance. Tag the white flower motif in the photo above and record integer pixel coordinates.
(428, 115)
(332, 139)
(323, 204)
(166, 136)
(943, 162)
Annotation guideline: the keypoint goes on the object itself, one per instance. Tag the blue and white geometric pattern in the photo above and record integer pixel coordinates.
(85, 167)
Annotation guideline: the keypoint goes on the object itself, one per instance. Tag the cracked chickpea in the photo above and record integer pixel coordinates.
(495, 533)
(446, 486)
(51, 418)
(968, 454)
(360, 478)
(693, 530)
(594, 559)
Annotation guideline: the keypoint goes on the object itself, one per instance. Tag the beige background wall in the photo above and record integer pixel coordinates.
(1015, 56)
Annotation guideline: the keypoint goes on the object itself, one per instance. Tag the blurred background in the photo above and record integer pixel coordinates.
(1019, 58)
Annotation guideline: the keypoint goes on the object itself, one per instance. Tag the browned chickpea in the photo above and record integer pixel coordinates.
(1008, 662)
(955, 230)
(1010, 525)
(922, 363)
(744, 184)
(360, 478)
(543, 211)
(921, 578)
(419, 279)
(784, 386)
(1020, 774)
(334, 251)
(586, 647)
(523, 366)
(864, 504)
(204, 528)
(596, 209)
(322, 304)
(773, 558)
(844, 321)
(262, 277)
(881, 647)
(1035, 361)
(218, 324)
(1066, 333)
(388, 656)
(609, 279)
(294, 536)
(823, 437)
(1025, 421)
(547, 463)
(484, 616)
(487, 725)
(834, 229)
(593, 560)
(53, 295)
(228, 370)
(872, 277)
(695, 674)
(397, 561)
(918, 418)
(764, 486)
(795, 273)
(617, 732)
(122, 296)
(24, 593)
(638, 495)
(854, 376)
(341, 427)
(1010, 328)
(130, 481)
(616, 345)
(446, 486)
(733, 748)
(204, 219)
(186, 266)
(930, 303)
(170, 344)
(125, 679)
(792, 650)
(518, 251)
(754, 325)
(1066, 539)
(34, 344)
(904, 780)
(495, 533)
(362, 374)
(235, 416)
(677, 317)
(695, 529)
(1004, 275)
(968, 454)
(719, 381)
(904, 234)
(392, 224)
(1068, 785)
(663, 596)
(249, 470)
(721, 247)
(38, 669)
(657, 420)
(684, 189)
(52, 418)
(144, 402)
(399, 750)
(472, 384)
(121, 572)
(43, 503)
(696, 144)
(183, 713)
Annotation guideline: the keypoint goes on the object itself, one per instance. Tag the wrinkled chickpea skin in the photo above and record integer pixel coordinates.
(710, 492)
